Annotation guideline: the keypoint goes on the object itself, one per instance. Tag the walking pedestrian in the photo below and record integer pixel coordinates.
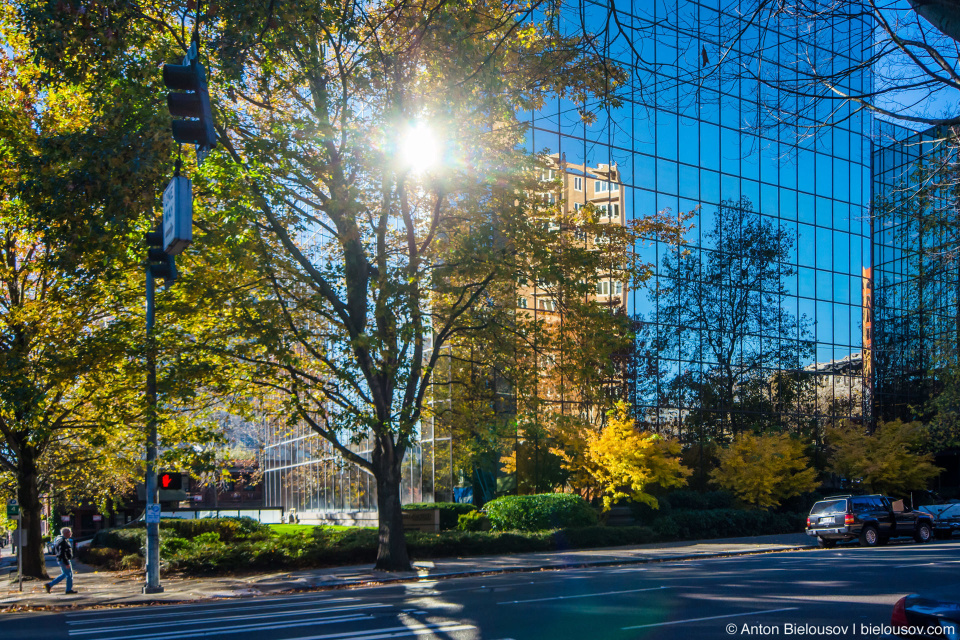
(63, 548)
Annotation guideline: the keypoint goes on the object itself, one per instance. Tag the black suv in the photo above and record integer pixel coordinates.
(871, 519)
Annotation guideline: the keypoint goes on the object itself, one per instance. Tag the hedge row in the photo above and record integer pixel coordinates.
(224, 546)
(725, 523)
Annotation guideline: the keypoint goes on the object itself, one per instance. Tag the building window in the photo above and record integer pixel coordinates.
(577, 183)
(600, 186)
(577, 206)
(522, 302)
(609, 211)
(549, 174)
(546, 304)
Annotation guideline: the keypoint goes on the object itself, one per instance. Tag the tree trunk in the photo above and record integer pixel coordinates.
(28, 495)
(392, 545)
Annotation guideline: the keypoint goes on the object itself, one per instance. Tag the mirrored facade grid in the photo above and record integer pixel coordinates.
(917, 275)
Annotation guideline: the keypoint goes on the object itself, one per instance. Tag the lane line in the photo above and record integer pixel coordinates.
(204, 620)
(219, 631)
(729, 615)
(208, 609)
(585, 595)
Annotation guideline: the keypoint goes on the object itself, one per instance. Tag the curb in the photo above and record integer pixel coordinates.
(354, 584)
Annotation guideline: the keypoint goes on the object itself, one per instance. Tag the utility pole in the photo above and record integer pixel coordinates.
(189, 99)
(166, 269)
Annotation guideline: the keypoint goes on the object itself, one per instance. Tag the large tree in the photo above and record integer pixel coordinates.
(67, 345)
(371, 262)
(86, 155)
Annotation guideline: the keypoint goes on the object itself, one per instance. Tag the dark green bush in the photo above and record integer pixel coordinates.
(473, 521)
(128, 540)
(725, 523)
(227, 528)
(689, 500)
(539, 512)
(450, 512)
(105, 557)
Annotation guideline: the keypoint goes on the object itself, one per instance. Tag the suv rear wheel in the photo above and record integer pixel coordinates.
(923, 533)
(869, 536)
(825, 543)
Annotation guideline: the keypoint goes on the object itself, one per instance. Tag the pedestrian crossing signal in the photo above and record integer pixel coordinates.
(170, 481)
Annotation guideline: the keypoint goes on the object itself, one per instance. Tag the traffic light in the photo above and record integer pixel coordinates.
(162, 264)
(170, 481)
(190, 98)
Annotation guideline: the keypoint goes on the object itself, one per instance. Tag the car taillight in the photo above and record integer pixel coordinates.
(809, 523)
(848, 519)
(899, 616)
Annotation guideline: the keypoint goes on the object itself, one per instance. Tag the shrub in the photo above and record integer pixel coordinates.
(170, 546)
(540, 512)
(131, 562)
(100, 556)
(227, 529)
(450, 512)
(473, 521)
(129, 540)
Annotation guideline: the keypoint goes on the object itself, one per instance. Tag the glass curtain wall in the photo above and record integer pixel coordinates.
(695, 135)
(917, 275)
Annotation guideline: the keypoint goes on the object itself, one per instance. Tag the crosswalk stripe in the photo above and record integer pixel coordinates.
(162, 611)
(232, 602)
(205, 620)
(218, 631)
(390, 632)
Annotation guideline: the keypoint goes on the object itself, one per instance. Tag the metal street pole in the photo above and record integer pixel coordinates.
(20, 548)
(153, 528)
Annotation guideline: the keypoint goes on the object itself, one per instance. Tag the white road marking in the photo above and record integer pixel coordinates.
(233, 602)
(585, 595)
(160, 611)
(729, 615)
(205, 619)
(390, 632)
(219, 631)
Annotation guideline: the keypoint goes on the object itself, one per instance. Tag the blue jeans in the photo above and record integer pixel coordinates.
(66, 571)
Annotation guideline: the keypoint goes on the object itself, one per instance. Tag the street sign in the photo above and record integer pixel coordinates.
(153, 513)
(13, 509)
(177, 215)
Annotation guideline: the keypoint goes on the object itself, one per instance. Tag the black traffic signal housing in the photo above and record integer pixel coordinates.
(162, 264)
(190, 98)
(170, 481)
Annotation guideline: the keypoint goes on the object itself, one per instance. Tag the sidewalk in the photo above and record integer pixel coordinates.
(109, 588)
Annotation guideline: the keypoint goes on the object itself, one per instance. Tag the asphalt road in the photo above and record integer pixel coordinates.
(842, 592)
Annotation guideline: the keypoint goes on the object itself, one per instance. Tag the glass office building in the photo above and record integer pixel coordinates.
(696, 129)
(916, 273)
(692, 134)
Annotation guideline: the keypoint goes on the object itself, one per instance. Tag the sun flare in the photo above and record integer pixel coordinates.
(420, 149)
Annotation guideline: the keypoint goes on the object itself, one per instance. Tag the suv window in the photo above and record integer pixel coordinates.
(829, 506)
(860, 504)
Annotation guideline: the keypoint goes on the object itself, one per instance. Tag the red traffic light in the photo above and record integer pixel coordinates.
(170, 481)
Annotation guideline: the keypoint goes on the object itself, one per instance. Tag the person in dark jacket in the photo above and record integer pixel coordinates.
(63, 547)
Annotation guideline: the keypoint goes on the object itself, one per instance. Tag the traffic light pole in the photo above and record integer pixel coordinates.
(153, 528)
